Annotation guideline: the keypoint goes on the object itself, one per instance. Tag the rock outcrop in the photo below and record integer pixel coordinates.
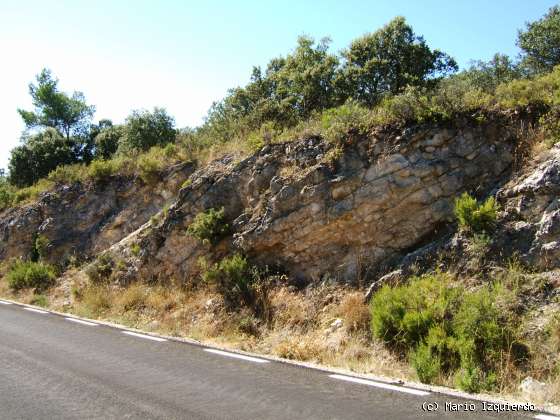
(83, 219)
(318, 211)
(531, 225)
(315, 210)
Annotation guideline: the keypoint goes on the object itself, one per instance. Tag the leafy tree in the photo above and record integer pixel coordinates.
(487, 75)
(107, 141)
(39, 155)
(540, 42)
(290, 89)
(305, 81)
(68, 114)
(144, 129)
(387, 61)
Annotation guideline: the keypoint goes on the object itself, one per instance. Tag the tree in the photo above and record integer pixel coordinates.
(39, 155)
(290, 89)
(107, 141)
(305, 81)
(144, 129)
(487, 75)
(68, 114)
(388, 60)
(540, 42)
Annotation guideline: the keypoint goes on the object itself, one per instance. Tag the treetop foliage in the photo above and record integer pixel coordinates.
(311, 79)
(68, 114)
(382, 77)
(540, 42)
(388, 60)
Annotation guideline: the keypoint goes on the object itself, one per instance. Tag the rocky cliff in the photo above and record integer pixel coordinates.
(82, 219)
(315, 210)
(318, 211)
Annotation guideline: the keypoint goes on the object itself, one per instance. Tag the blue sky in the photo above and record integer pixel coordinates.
(131, 54)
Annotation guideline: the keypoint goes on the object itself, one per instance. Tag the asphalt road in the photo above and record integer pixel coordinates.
(54, 368)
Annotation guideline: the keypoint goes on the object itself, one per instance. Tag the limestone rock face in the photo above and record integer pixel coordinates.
(316, 211)
(290, 207)
(532, 208)
(85, 219)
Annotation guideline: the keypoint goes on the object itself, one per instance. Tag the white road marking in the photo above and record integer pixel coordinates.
(147, 337)
(380, 385)
(79, 321)
(236, 356)
(546, 417)
(36, 310)
(5, 303)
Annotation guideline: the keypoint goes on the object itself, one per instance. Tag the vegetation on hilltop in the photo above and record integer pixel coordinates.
(386, 76)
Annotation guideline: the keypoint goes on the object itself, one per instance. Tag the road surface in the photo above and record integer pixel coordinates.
(52, 367)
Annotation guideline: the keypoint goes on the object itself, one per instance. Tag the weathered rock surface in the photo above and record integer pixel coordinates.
(85, 219)
(382, 197)
(531, 224)
(384, 203)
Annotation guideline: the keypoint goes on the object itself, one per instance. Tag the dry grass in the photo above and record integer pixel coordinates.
(355, 313)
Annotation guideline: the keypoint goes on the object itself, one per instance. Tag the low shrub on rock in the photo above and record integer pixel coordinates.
(208, 226)
(476, 217)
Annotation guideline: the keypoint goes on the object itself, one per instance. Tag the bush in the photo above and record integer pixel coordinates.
(66, 174)
(346, 121)
(107, 142)
(28, 274)
(135, 249)
(100, 270)
(208, 226)
(102, 170)
(39, 300)
(145, 129)
(7, 194)
(402, 316)
(447, 329)
(233, 278)
(41, 247)
(475, 217)
(149, 169)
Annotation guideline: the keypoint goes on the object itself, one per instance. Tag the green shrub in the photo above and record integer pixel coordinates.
(208, 226)
(67, 174)
(29, 274)
(402, 316)
(448, 330)
(233, 278)
(41, 247)
(7, 194)
(149, 168)
(170, 150)
(135, 249)
(100, 270)
(436, 354)
(39, 300)
(475, 217)
(102, 170)
(347, 121)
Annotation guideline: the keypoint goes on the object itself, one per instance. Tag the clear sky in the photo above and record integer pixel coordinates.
(183, 55)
